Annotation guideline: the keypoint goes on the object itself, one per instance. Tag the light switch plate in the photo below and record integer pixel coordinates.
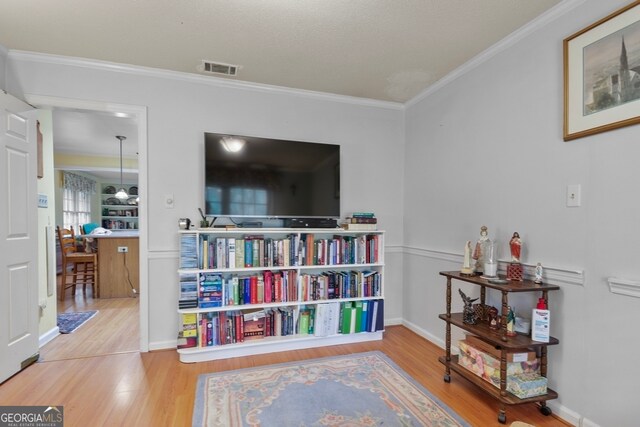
(573, 195)
(169, 203)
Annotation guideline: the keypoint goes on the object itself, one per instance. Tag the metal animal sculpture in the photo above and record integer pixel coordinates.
(469, 315)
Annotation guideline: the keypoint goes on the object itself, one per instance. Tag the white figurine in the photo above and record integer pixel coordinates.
(538, 273)
(466, 265)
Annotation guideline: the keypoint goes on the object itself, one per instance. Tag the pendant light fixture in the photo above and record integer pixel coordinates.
(122, 193)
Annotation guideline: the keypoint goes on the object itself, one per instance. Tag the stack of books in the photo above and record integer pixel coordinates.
(188, 291)
(361, 221)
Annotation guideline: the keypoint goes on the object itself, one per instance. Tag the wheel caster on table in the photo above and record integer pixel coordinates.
(545, 410)
(502, 418)
(447, 378)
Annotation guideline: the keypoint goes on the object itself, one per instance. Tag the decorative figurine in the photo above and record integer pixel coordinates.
(481, 249)
(468, 313)
(511, 322)
(538, 272)
(467, 270)
(493, 319)
(514, 269)
(515, 244)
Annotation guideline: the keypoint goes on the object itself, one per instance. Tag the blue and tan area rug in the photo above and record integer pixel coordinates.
(364, 389)
(69, 322)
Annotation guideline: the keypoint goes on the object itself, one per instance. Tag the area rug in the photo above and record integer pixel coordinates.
(363, 389)
(69, 322)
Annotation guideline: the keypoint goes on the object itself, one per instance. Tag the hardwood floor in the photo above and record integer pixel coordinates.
(115, 329)
(145, 389)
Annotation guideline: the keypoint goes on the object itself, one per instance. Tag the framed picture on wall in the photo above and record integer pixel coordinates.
(602, 75)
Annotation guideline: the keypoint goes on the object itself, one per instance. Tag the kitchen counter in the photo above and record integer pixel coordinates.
(118, 263)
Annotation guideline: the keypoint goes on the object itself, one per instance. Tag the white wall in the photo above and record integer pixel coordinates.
(181, 109)
(46, 217)
(487, 149)
(3, 66)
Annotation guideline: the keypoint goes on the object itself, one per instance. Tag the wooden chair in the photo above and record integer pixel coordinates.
(84, 266)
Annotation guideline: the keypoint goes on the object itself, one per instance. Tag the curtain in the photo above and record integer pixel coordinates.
(78, 183)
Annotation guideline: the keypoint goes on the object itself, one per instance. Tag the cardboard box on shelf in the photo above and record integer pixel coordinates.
(512, 356)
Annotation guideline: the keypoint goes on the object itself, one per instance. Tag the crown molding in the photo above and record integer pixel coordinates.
(94, 64)
(541, 21)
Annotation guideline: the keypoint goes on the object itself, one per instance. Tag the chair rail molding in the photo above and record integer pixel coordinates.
(625, 287)
(556, 275)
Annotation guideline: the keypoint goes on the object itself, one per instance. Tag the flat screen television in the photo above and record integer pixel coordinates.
(270, 178)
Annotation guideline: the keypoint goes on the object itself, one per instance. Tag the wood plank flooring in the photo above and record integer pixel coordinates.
(155, 389)
(115, 329)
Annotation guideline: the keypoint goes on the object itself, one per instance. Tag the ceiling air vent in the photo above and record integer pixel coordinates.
(219, 68)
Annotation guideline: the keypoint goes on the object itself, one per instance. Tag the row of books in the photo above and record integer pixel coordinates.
(207, 290)
(340, 284)
(294, 250)
(213, 329)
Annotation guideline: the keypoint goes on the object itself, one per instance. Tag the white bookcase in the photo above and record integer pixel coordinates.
(344, 274)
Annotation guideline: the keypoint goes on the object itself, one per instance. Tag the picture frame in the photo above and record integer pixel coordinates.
(602, 75)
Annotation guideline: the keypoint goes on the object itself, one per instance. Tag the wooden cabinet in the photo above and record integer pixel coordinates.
(333, 268)
(498, 339)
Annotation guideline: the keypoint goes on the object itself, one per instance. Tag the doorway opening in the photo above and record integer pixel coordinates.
(85, 145)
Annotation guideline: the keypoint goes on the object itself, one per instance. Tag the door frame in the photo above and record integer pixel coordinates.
(140, 113)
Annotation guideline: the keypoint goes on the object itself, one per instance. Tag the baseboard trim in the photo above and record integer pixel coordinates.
(588, 423)
(163, 345)
(424, 333)
(48, 336)
(393, 322)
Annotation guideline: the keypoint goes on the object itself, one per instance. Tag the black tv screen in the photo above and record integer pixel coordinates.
(262, 177)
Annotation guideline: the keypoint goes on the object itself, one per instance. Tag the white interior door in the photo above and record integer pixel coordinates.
(18, 236)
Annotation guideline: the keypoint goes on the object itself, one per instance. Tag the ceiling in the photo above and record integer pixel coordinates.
(378, 49)
(388, 50)
(93, 134)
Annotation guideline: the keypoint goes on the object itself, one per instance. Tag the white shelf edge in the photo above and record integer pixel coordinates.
(272, 345)
(273, 304)
(625, 287)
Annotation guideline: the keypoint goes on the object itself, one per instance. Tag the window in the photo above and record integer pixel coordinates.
(76, 200)
(76, 209)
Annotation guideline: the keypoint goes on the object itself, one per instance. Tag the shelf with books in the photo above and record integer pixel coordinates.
(302, 283)
(119, 214)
